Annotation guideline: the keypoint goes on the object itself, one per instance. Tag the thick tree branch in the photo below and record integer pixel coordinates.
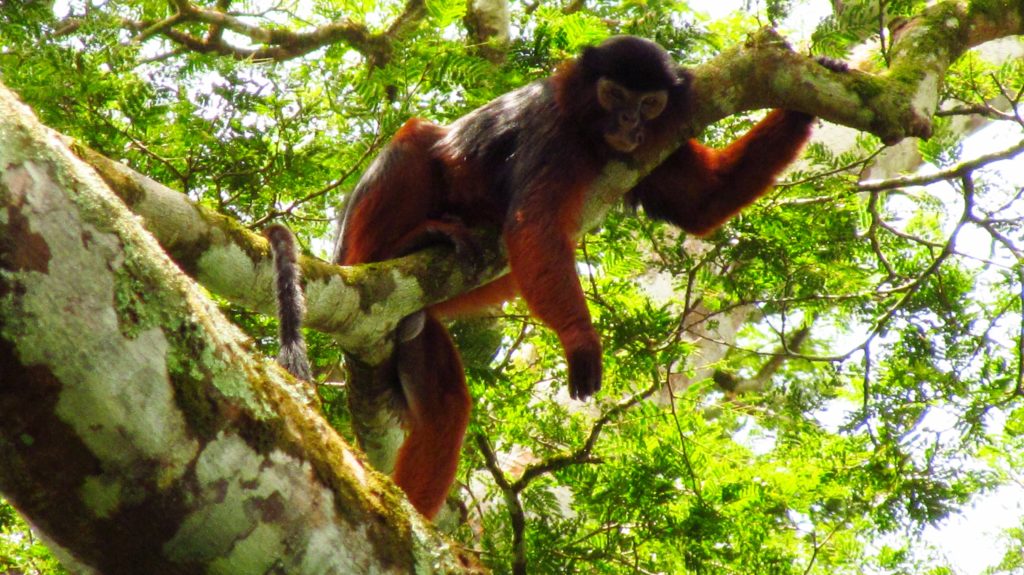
(362, 305)
(126, 396)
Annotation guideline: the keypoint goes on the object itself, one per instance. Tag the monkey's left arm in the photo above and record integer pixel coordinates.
(542, 259)
(698, 188)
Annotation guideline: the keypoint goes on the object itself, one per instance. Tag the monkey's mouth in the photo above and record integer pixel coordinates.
(624, 142)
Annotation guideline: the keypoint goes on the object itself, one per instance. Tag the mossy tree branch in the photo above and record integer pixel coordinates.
(362, 305)
(141, 434)
(764, 72)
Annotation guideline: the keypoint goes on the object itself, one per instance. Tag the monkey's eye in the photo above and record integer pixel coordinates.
(613, 96)
(652, 105)
(618, 96)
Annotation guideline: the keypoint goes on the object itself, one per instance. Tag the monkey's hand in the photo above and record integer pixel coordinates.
(448, 229)
(452, 230)
(584, 368)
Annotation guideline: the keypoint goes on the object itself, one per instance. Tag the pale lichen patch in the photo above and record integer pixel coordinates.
(101, 495)
(926, 98)
(606, 191)
(334, 300)
(234, 268)
(355, 466)
(366, 337)
(108, 378)
(407, 292)
(256, 553)
(255, 501)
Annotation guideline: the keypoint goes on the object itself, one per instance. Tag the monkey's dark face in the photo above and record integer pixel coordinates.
(627, 113)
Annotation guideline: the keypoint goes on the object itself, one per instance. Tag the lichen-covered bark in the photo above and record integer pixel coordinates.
(138, 432)
(489, 24)
(360, 306)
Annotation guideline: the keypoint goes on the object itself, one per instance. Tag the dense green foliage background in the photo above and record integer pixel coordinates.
(873, 386)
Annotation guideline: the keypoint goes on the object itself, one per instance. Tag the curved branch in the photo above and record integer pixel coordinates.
(583, 454)
(957, 171)
(764, 72)
(279, 44)
(517, 514)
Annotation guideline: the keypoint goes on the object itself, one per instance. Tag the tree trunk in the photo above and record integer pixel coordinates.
(139, 432)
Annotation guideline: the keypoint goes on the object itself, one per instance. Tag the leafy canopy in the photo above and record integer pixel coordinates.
(846, 364)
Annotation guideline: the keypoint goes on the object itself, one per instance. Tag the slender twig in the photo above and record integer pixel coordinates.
(141, 146)
(684, 450)
(818, 547)
(956, 171)
(975, 109)
(872, 234)
(515, 507)
(1019, 388)
(866, 391)
(882, 32)
(373, 148)
(858, 163)
(1014, 100)
(503, 364)
(583, 454)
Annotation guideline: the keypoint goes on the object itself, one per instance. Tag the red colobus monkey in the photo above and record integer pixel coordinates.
(523, 164)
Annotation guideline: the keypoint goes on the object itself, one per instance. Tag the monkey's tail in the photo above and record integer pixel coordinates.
(434, 384)
(291, 305)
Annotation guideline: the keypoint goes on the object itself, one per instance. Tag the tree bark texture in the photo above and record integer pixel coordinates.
(139, 432)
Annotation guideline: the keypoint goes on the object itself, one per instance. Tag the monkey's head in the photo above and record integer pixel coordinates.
(635, 80)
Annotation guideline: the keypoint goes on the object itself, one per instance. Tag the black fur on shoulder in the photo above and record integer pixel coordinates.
(291, 304)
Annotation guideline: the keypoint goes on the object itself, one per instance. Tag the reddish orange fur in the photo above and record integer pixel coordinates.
(385, 217)
(436, 420)
(699, 188)
(542, 256)
(488, 295)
